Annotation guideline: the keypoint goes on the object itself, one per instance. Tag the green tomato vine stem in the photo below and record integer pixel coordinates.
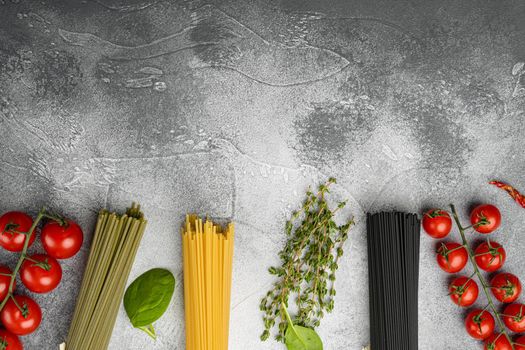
(481, 279)
(23, 255)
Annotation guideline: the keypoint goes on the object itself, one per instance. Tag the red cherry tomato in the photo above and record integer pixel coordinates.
(490, 256)
(464, 291)
(506, 287)
(9, 341)
(485, 218)
(498, 341)
(41, 273)
(5, 281)
(452, 257)
(21, 321)
(11, 223)
(519, 344)
(437, 223)
(514, 317)
(480, 324)
(62, 242)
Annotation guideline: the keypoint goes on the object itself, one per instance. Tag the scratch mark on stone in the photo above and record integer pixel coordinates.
(230, 149)
(232, 18)
(232, 152)
(171, 156)
(14, 165)
(220, 40)
(387, 183)
(127, 8)
(255, 292)
(270, 235)
(299, 83)
(113, 51)
(38, 17)
(106, 196)
(370, 19)
(234, 190)
(25, 169)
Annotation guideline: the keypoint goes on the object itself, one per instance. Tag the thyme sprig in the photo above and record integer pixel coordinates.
(309, 261)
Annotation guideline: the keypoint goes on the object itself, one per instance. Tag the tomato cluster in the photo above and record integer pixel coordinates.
(489, 256)
(40, 273)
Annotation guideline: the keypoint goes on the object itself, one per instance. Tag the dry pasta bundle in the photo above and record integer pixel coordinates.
(113, 249)
(207, 259)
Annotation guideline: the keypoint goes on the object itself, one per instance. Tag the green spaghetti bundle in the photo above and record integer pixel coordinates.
(113, 249)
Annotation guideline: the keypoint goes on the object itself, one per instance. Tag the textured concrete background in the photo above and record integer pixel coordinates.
(233, 108)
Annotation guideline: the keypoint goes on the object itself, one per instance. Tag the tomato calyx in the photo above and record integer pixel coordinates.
(477, 320)
(23, 309)
(483, 220)
(519, 317)
(3, 344)
(11, 227)
(460, 290)
(436, 213)
(59, 219)
(493, 344)
(509, 288)
(444, 251)
(493, 251)
(42, 264)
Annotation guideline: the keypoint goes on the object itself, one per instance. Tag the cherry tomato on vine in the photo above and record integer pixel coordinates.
(5, 281)
(519, 344)
(506, 287)
(41, 273)
(463, 291)
(485, 218)
(24, 320)
(11, 223)
(480, 324)
(498, 341)
(9, 341)
(62, 242)
(490, 256)
(514, 317)
(452, 257)
(437, 223)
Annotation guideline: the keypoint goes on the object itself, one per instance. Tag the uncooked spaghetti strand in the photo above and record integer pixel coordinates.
(101, 222)
(108, 293)
(96, 282)
(115, 244)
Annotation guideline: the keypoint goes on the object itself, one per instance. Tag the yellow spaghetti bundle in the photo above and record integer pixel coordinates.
(207, 259)
(113, 249)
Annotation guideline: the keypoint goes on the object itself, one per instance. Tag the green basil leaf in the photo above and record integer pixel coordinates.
(301, 338)
(148, 297)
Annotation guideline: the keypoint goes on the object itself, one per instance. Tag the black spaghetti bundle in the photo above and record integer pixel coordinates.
(393, 269)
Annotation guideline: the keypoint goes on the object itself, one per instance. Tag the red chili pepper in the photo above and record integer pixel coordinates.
(518, 197)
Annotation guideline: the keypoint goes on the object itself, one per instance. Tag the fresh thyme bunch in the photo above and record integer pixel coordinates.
(309, 261)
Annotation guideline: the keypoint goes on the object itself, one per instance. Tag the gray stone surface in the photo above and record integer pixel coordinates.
(232, 108)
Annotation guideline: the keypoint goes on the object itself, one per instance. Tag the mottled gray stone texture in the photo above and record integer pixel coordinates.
(232, 108)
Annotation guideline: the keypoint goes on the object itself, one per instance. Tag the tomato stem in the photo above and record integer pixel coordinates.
(23, 256)
(444, 250)
(61, 221)
(477, 272)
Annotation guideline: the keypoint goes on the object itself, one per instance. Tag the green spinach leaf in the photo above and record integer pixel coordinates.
(148, 297)
(300, 338)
